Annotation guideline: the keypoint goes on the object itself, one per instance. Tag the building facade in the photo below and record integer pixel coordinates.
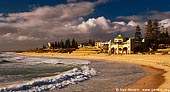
(121, 45)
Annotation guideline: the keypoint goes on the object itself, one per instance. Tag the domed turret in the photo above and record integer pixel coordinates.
(119, 39)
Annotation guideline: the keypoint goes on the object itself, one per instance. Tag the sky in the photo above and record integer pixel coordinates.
(27, 24)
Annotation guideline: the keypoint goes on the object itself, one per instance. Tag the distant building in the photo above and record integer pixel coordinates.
(100, 44)
(120, 45)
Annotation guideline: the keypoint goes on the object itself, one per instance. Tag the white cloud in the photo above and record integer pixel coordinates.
(8, 35)
(132, 23)
(13, 36)
(91, 25)
(23, 38)
(60, 12)
(121, 23)
(47, 21)
(165, 22)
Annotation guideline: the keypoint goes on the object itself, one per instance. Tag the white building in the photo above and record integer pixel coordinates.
(121, 45)
(101, 44)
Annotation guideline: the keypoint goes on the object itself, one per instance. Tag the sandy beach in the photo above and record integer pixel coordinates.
(159, 67)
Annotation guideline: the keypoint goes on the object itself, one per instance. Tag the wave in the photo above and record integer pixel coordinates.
(67, 78)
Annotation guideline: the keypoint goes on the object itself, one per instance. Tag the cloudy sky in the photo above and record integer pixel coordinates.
(26, 24)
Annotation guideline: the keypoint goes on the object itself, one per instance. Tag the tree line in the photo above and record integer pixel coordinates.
(68, 44)
(155, 34)
(64, 44)
(89, 43)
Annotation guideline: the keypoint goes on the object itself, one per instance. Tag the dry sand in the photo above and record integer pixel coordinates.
(155, 61)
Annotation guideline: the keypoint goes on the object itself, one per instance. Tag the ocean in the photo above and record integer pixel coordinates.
(24, 73)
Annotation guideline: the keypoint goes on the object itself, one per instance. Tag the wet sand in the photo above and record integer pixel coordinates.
(150, 82)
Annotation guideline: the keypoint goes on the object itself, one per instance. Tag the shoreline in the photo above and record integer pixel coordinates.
(121, 58)
(114, 75)
(151, 81)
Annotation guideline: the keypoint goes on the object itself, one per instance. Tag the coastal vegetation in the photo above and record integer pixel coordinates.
(61, 44)
(67, 46)
(156, 36)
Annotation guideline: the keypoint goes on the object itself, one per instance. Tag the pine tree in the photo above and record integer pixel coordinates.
(156, 32)
(52, 45)
(61, 44)
(167, 34)
(67, 43)
(168, 41)
(164, 37)
(149, 30)
(138, 33)
(167, 37)
(93, 43)
(76, 45)
(90, 42)
(149, 35)
(73, 45)
(55, 44)
(43, 47)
